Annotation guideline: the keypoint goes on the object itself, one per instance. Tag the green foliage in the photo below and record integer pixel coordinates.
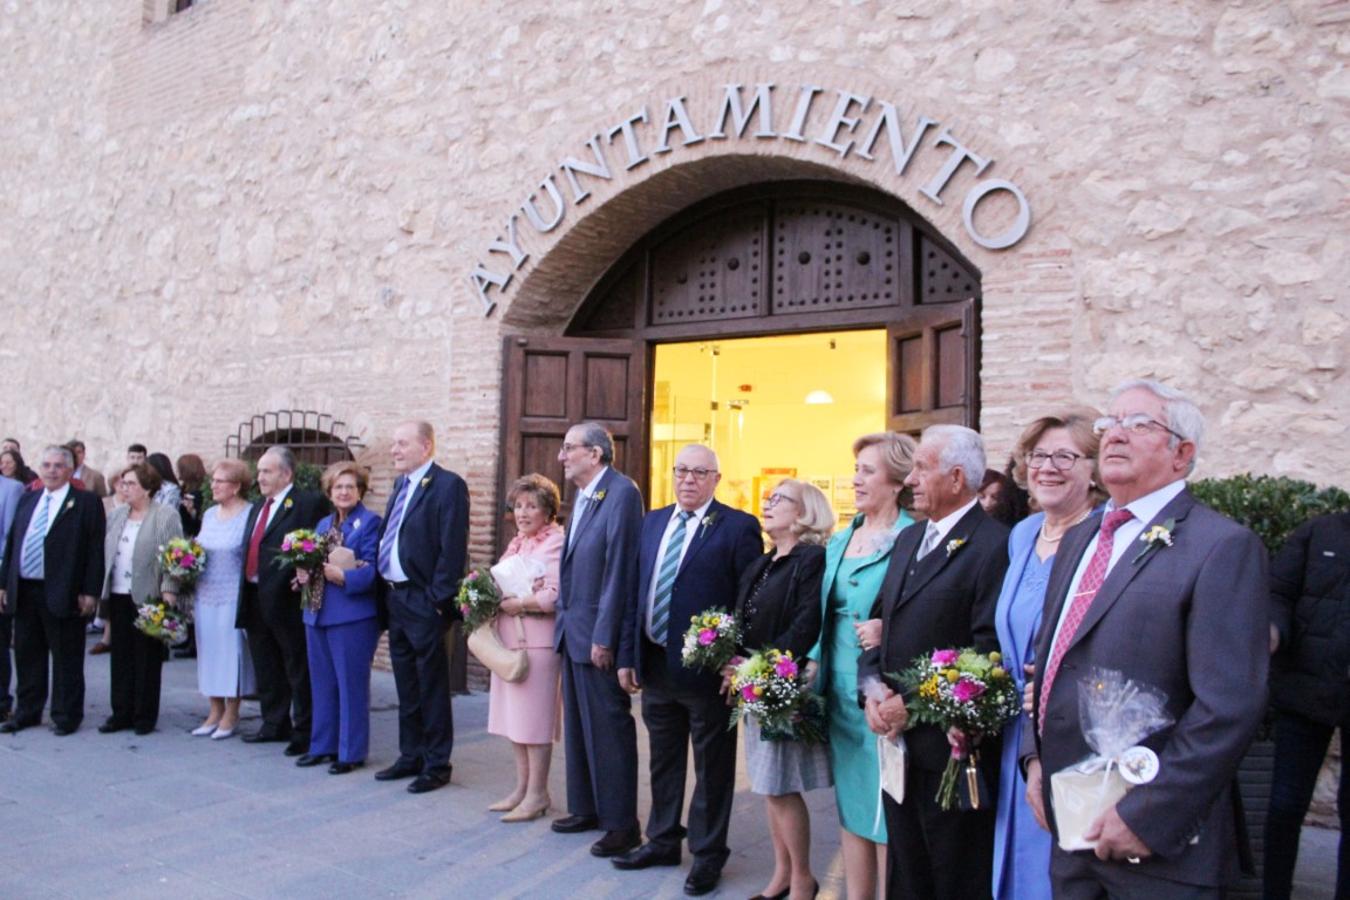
(1271, 507)
(307, 476)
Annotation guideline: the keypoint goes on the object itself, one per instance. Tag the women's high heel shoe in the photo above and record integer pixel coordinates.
(521, 814)
(204, 730)
(504, 806)
(781, 895)
(221, 734)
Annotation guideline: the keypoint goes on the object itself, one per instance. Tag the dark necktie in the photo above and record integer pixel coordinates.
(255, 542)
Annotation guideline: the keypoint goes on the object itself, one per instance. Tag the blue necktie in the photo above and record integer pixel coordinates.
(31, 564)
(391, 529)
(665, 577)
(578, 511)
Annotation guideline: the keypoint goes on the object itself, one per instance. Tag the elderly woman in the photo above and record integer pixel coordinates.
(779, 606)
(1057, 461)
(341, 633)
(526, 713)
(133, 574)
(224, 667)
(855, 564)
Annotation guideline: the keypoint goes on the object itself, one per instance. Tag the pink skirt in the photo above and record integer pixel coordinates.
(527, 712)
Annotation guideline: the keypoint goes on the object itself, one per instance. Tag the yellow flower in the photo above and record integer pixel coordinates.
(952, 676)
(997, 672)
(995, 656)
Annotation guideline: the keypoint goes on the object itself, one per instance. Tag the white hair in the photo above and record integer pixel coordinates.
(962, 448)
(58, 450)
(716, 464)
(1183, 416)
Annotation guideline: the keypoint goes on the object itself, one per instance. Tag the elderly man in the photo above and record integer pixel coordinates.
(269, 604)
(597, 583)
(939, 591)
(691, 556)
(424, 547)
(1175, 596)
(10, 492)
(52, 575)
(92, 478)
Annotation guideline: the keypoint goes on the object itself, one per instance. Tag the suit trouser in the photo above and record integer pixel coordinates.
(673, 716)
(1300, 748)
(6, 639)
(1082, 876)
(932, 854)
(135, 667)
(601, 741)
(426, 725)
(339, 675)
(276, 640)
(39, 633)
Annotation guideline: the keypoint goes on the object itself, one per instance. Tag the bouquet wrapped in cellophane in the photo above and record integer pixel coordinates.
(771, 687)
(479, 599)
(1116, 714)
(711, 640)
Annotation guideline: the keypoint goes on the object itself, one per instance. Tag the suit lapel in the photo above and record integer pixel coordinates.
(928, 568)
(423, 488)
(1126, 568)
(592, 509)
(60, 511)
(279, 512)
(710, 521)
(897, 571)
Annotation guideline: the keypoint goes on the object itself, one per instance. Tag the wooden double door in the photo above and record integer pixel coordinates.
(774, 259)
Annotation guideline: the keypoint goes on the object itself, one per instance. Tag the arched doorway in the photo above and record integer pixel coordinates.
(777, 259)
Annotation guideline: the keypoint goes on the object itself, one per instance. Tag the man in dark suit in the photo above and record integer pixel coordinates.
(10, 492)
(1174, 595)
(690, 558)
(939, 592)
(598, 578)
(424, 548)
(51, 576)
(269, 606)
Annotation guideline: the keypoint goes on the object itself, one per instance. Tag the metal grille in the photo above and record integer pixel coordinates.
(313, 437)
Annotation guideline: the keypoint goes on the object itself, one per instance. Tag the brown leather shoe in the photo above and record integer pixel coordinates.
(98, 648)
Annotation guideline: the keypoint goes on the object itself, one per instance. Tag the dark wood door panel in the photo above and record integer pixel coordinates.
(931, 367)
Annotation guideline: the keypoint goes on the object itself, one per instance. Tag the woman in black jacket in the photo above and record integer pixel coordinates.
(779, 607)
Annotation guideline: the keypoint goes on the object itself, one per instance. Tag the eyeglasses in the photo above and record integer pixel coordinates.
(1135, 423)
(774, 499)
(1060, 460)
(568, 448)
(683, 472)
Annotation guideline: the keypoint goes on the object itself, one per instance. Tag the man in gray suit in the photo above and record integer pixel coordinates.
(597, 583)
(10, 491)
(1174, 595)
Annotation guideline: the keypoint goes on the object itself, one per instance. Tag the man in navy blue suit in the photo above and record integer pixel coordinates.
(691, 557)
(597, 580)
(424, 548)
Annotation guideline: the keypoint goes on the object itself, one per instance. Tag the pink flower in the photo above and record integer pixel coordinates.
(707, 636)
(748, 692)
(308, 546)
(464, 608)
(966, 690)
(286, 545)
(189, 560)
(944, 657)
(785, 668)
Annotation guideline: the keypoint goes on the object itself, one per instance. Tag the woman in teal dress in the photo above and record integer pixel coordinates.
(855, 564)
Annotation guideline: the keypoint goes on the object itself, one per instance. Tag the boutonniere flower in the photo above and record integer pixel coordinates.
(709, 519)
(1155, 537)
(426, 481)
(953, 545)
(70, 504)
(356, 523)
(598, 496)
(289, 503)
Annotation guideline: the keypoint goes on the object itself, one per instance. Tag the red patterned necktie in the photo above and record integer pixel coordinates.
(1093, 577)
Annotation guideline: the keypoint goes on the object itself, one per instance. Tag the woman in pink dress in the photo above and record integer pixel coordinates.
(527, 712)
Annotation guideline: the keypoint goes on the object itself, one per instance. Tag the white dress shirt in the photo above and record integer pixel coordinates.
(944, 526)
(394, 571)
(690, 529)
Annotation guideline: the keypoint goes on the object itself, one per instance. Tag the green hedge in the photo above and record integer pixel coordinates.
(1272, 507)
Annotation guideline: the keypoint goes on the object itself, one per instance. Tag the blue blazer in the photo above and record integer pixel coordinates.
(726, 542)
(354, 600)
(433, 542)
(10, 491)
(598, 573)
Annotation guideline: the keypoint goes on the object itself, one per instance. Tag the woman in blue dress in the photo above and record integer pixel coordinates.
(855, 564)
(1057, 460)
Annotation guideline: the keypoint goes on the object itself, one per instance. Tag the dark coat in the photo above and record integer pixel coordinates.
(787, 607)
(1310, 605)
(433, 541)
(72, 552)
(275, 598)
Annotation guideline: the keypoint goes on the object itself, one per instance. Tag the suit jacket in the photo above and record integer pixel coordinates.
(724, 544)
(354, 599)
(944, 600)
(10, 492)
(598, 574)
(72, 553)
(433, 541)
(300, 509)
(1193, 621)
(94, 481)
(148, 578)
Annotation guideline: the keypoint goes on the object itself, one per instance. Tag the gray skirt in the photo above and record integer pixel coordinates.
(783, 767)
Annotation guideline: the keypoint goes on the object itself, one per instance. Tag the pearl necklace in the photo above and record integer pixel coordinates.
(1056, 540)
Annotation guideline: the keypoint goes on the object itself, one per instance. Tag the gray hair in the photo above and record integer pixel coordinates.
(593, 434)
(283, 455)
(962, 448)
(63, 452)
(1183, 416)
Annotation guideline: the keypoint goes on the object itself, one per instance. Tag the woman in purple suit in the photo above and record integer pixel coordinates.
(342, 632)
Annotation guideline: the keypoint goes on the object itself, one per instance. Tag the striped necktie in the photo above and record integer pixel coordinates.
(391, 528)
(31, 564)
(665, 577)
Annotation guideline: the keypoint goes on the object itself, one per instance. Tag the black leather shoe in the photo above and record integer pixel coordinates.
(112, 725)
(64, 730)
(143, 730)
(263, 736)
(646, 856)
(616, 842)
(781, 895)
(703, 877)
(430, 781)
(399, 770)
(297, 748)
(575, 824)
(315, 759)
(342, 768)
(14, 726)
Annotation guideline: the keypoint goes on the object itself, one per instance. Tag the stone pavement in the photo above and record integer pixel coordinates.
(170, 815)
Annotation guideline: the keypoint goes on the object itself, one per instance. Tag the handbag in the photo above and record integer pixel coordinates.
(507, 664)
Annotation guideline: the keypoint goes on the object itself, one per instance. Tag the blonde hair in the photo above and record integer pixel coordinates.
(235, 470)
(1077, 421)
(815, 519)
(897, 457)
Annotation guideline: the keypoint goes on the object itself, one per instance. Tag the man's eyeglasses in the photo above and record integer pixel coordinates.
(1061, 460)
(568, 448)
(700, 473)
(1135, 423)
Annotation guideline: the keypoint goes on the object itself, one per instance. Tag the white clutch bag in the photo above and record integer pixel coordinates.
(893, 757)
(515, 575)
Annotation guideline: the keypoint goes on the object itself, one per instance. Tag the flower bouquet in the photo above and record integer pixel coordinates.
(159, 620)
(770, 686)
(966, 691)
(478, 599)
(184, 559)
(711, 640)
(308, 550)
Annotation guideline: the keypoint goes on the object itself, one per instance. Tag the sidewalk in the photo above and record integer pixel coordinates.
(170, 815)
